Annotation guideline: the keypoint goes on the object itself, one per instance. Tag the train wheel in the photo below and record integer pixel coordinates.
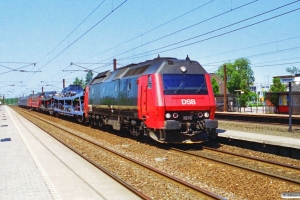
(80, 119)
(92, 123)
(212, 133)
(57, 114)
(213, 138)
(134, 130)
(100, 123)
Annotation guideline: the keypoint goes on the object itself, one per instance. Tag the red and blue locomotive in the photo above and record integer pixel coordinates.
(168, 99)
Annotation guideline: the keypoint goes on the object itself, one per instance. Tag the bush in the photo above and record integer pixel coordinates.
(260, 104)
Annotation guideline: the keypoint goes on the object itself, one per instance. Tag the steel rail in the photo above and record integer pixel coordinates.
(242, 167)
(253, 158)
(163, 174)
(141, 195)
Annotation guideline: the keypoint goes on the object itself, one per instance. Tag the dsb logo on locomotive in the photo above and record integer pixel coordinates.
(188, 101)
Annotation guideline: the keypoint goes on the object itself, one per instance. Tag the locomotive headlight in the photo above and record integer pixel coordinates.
(168, 115)
(183, 69)
(175, 115)
(206, 114)
(200, 114)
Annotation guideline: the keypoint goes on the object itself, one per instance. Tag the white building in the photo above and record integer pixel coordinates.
(260, 89)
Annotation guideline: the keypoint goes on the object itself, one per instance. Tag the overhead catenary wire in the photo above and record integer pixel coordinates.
(83, 34)
(206, 20)
(142, 34)
(243, 27)
(260, 54)
(259, 45)
(277, 60)
(18, 68)
(16, 62)
(275, 64)
(119, 59)
(182, 41)
(72, 31)
(215, 35)
(256, 65)
(243, 5)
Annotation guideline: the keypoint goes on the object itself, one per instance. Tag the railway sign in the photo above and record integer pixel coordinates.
(289, 78)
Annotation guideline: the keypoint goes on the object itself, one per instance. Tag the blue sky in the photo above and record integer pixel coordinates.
(55, 33)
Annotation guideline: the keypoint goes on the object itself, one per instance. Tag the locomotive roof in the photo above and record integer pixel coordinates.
(157, 65)
(149, 61)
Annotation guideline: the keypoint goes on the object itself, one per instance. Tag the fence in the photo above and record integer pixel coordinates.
(233, 105)
(268, 108)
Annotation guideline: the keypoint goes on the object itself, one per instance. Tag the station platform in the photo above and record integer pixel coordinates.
(260, 138)
(36, 166)
(262, 115)
(282, 143)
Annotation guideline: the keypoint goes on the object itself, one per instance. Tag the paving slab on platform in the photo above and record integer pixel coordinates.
(40, 167)
(19, 176)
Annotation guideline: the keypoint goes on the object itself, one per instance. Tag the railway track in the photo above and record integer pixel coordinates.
(220, 178)
(145, 181)
(272, 169)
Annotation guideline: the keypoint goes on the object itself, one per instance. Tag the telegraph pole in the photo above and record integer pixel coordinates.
(290, 107)
(225, 97)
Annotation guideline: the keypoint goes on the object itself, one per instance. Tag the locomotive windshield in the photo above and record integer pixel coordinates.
(184, 84)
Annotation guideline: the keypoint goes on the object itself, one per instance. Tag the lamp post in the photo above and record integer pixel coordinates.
(225, 95)
(239, 92)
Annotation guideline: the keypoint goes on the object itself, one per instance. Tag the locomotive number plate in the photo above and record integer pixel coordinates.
(187, 117)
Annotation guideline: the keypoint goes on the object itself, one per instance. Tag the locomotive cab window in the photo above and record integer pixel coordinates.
(149, 82)
(177, 84)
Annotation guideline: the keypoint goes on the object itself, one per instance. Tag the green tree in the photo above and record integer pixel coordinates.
(277, 86)
(240, 76)
(215, 86)
(88, 77)
(252, 96)
(78, 82)
(10, 101)
(293, 70)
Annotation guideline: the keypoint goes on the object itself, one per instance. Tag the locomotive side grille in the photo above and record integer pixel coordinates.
(136, 71)
(99, 80)
(131, 72)
(142, 69)
(120, 73)
(100, 77)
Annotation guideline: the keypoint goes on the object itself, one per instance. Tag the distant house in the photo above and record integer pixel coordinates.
(220, 82)
(260, 89)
